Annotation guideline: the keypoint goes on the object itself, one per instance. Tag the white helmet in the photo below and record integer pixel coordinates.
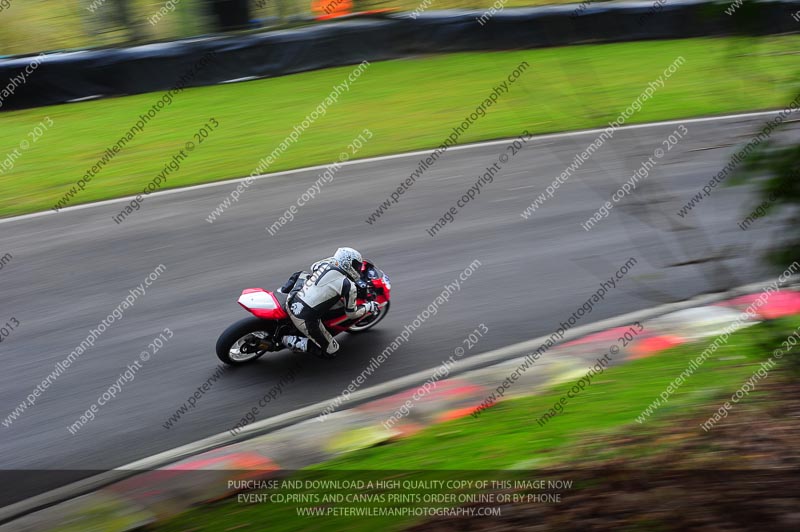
(350, 261)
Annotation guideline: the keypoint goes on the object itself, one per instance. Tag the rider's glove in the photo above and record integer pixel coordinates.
(372, 307)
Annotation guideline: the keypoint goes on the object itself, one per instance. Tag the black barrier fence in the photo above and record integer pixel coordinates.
(71, 76)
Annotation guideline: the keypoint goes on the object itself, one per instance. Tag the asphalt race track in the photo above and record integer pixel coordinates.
(70, 270)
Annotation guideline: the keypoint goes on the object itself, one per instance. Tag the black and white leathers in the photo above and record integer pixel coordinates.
(327, 287)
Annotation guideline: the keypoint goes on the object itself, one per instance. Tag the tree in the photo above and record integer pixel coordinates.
(775, 169)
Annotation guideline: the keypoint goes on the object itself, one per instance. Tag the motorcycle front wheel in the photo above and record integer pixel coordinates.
(370, 321)
(245, 341)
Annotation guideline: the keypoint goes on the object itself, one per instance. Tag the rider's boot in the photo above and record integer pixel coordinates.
(298, 344)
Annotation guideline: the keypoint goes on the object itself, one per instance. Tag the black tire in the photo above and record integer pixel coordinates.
(239, 331)
(384, 311)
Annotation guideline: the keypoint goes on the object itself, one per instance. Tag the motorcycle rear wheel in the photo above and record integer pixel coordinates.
(245, 341)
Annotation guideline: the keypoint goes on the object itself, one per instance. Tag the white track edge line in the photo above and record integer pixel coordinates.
(367, 160)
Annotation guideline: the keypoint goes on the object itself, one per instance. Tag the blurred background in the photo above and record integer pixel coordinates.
(707, 78)
(36, 25)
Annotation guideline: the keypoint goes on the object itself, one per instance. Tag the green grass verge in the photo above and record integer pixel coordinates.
(407, 104)
(506, 437)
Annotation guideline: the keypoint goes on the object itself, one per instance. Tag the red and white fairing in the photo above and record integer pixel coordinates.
(262, 304)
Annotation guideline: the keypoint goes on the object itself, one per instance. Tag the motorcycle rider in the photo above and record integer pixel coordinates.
(332, 281)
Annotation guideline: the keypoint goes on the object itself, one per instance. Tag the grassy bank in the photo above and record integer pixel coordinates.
(596, 432)
(407, 104)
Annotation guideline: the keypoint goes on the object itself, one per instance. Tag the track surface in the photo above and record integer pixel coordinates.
(70, 270)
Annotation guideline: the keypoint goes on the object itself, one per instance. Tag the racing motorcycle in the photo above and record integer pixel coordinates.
(250, 338)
